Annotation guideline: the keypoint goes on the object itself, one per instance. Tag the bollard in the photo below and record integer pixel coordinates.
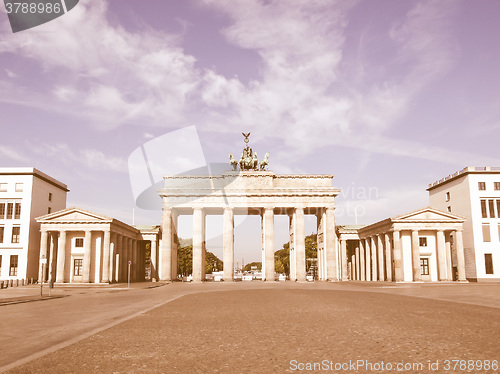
(31, 281)
(11, 283)
(1, 285)
(22, 283)
(17, 282)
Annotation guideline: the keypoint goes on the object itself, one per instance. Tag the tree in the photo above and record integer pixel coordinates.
(185, 259)
(249, 266)
(282, 256)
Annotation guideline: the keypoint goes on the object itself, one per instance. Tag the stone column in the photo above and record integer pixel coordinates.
(112, 252)
(117, 259)
(300, 245)
(398, 256)
(154, 263)
(368, 259)
(51, 256)
(228, 237)
(87, 253)
(415, 256)
(105, 256)
(330, 245)
(198, 239)
(43, 253)
(166, 243)
(441, 255)
(388, 257)
(380, 249)
(175, 216)
(61, 257)
(135, 261)
(268, 266)
(343, 254)
(293, 273)
(374, 257)
(356, 256)
(362, 269)
(460, 256)
(449, 265)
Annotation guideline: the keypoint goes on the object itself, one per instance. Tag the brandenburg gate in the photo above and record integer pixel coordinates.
(250, 189)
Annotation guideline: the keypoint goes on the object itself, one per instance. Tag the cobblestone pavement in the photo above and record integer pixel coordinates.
(251, 327)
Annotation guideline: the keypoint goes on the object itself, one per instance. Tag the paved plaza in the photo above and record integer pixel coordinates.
(250, 327)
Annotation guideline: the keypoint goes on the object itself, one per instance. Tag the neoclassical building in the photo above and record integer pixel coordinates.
(86, 247)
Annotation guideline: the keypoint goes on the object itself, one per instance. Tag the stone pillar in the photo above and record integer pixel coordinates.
(415, 256)
(117, 259)
(228, 245)
(293, 273)
(198, 239)
(61, 257)
(175, 216)
(368, 259)
(343, 256)
(449, 265)
(374, 257)
(380, 249)
(460, 256)
(112, 252)
(268, 266)
(105, 256)
(135, 261)
(51, 257)
(330, 243)
(356, 256)
(398, 256)
(166, 244)
(87, 253)
(43, 253)
(388, 257)
(362, 268)
(154, 262)
(441, 255)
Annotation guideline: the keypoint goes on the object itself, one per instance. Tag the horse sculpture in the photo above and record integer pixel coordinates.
(265, 162)
(233, 162)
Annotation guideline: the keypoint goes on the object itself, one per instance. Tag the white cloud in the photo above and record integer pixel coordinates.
(12, 153)
(103, 71)
(88, 158)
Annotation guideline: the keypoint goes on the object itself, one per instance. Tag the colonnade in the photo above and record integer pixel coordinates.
(104, 260)
(327, 250)
(380, 256)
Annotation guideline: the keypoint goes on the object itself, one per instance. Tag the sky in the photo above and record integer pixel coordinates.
(386, 95)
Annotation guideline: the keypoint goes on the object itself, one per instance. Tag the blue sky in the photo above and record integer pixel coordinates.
(387, 95)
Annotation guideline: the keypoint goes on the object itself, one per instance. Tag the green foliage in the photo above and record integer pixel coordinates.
(212, 263)
(185, 260)
(282, 257)
(248, 267)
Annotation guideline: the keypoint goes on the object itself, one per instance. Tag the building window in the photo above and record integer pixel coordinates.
(422, 242)
(49, 210)
(15, 234)
(424, 266)
(17, 212)
(491, 205)
(486, 232)
(449, 209)
(3, 187)
(484, 209)
(481, 186)
(488, 263)
(2, 210)
(50, 196)
(19, 187)
(79, 242)
(13, 265)
(447, 196)
(78, 269)
(10, 210)
(497, 186)
(2, 231)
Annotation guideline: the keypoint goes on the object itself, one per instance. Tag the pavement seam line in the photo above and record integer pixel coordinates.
(69, 342)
